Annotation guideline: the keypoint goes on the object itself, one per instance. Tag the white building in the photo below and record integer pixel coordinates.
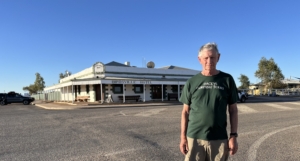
(120, 82)
(292, 83)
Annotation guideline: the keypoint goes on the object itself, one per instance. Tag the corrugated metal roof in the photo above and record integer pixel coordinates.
(291, 81)
(113, 63)
(174, 67)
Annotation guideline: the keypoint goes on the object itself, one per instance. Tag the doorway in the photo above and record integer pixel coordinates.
(98, 91)
(156, 91)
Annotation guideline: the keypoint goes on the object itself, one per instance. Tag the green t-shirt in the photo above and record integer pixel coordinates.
(208, 97)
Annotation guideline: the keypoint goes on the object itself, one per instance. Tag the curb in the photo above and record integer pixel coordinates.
(53, 108)
(74, 104)
(57, 107)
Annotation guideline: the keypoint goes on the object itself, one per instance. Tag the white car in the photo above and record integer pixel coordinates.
(242, 96)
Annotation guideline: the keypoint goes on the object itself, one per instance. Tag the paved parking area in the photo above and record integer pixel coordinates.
(75, 105)
(267, 131)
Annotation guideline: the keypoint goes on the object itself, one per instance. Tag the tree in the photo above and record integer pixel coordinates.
(38, 86)
(61, 76)
(39, 82)
(269, 73)
(31, 89)
(66, 74)
(244, 82)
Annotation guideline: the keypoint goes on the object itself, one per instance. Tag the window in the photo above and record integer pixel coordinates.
(11, 95)
(174, 88)
(117, 88)
(87, 89)
(79, 89)
(138, 89)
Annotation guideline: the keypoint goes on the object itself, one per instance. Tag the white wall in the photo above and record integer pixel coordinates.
(92, 94)
(66, 94)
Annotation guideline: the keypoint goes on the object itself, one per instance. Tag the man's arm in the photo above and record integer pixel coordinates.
(184, 122)
(233, 117)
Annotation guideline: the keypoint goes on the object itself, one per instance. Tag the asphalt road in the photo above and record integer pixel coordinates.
(268, 131)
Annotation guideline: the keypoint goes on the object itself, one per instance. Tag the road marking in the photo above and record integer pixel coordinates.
(150, 112)
(245, 109)
(278, 106)
(253, 148)
(121, 112)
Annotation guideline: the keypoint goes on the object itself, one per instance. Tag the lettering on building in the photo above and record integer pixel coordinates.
(130, 82)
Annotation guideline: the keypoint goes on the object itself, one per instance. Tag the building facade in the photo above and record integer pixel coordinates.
(116, 81)
(292, 88)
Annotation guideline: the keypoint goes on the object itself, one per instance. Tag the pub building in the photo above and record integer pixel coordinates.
(117, 82)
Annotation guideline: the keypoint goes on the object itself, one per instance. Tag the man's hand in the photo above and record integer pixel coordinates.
(184, 146)
(184, 122)
(233, 145)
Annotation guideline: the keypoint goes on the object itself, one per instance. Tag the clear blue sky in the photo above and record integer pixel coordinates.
(51, 36)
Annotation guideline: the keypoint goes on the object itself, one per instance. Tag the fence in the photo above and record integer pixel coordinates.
(51, 96)
(280, 92)
(287, 92)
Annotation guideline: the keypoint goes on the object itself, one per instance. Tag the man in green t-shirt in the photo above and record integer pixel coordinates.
(205, 99)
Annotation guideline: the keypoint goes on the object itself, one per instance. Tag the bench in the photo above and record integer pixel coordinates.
(172, 95)
(135, 97)
(82, 98)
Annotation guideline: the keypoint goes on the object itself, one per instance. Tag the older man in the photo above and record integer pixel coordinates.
(205, 98)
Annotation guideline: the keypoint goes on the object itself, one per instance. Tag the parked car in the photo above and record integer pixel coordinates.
(12, 97)
(2, 98)
(242, 96)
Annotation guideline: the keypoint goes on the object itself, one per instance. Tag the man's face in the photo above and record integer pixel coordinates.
(209, 60)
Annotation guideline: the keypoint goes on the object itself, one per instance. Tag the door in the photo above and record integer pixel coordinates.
(14, 98)
(98, 91)
(156, 91)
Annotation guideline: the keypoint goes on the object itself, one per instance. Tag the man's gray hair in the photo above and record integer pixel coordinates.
(209, 46)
